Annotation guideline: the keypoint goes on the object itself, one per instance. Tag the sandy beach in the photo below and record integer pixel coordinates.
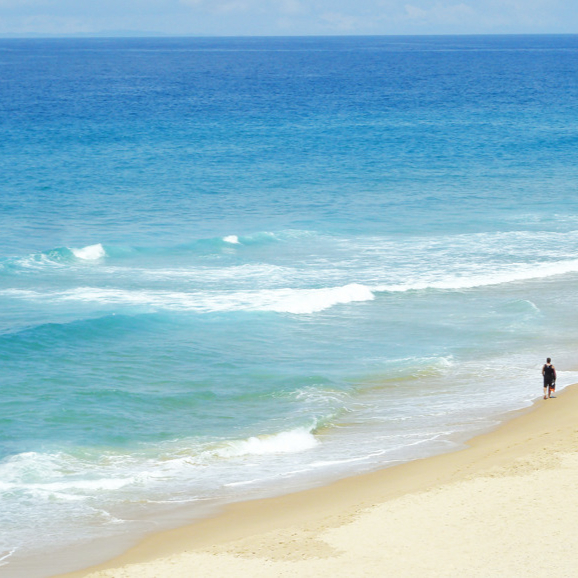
(506, 505)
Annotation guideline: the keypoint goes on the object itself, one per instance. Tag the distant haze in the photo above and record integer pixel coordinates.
(285, 17)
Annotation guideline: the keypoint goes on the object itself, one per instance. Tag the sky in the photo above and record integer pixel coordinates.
(286, 17)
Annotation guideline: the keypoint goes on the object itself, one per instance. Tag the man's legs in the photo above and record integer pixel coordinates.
(547, 387)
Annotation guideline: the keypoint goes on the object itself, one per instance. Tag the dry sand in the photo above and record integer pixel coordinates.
(505, 506)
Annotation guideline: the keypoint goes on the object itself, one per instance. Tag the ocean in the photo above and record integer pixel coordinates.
(238, 267)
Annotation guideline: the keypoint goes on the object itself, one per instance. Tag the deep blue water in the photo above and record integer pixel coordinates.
(235, 267)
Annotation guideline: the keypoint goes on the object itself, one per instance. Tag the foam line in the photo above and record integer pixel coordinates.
(296, 301)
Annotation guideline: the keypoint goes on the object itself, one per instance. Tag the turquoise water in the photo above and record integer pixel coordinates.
(236, 267)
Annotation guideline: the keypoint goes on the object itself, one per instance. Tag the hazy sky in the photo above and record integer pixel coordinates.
(288, 17)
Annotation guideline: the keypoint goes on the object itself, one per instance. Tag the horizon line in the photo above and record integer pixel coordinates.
(127, 34)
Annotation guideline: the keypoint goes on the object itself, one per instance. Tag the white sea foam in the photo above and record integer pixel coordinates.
(513, 273)
(288, 442)
(248, 273)
(296, 301)
(4, 557)
(37, 261)
(30, 467)
(301, 300)
(243, 483)
(442, 362)
(321, 396)
(176, 501)
(231, 239)
(326, 463)
(312, 300)
(82, 485)
(90, 253)
(58, 476)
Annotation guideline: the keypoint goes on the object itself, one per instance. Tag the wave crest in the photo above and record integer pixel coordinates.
(90, 253)
(287, 442)
(295, 301)
(314, 300)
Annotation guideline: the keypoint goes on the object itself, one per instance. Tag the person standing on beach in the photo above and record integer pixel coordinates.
(549, 373)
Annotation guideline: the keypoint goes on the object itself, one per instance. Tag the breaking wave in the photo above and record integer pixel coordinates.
(296, 301)
(54, 258)
(68, 256)
(287, 442)
(90, 253)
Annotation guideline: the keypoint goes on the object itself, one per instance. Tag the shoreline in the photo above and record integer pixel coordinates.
(264, 535)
